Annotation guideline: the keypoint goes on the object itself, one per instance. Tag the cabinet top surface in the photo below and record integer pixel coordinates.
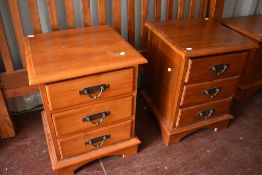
(73, 53)
(247, 25)
(194, 38)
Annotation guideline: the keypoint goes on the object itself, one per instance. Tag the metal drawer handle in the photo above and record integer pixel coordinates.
(95, 89)
(93, 118)
(98, 141)
(218, 68)
(205, 114)
(212, 92)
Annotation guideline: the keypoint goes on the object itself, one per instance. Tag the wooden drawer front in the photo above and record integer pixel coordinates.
(204, 69)
(77, 144)
(67, 93)
(208, 91)
(91, 116)
(190, 115)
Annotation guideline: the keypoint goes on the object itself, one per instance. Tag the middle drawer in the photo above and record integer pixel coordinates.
(91, 116)
(194, 94)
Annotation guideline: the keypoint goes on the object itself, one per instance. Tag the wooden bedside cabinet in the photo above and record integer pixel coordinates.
(192, 72)
(251, 27)
(88, 80)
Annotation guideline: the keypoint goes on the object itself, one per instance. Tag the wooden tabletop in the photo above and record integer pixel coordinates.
(73, 53)
(194, 38)
(247, 25)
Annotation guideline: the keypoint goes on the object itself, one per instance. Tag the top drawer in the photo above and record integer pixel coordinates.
(91, 88)
(214, 67)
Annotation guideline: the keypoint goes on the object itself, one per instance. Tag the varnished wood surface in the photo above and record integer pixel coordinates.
(125, 148)
(193, 93)
(198, 69)
(187, 116)
(16, 84)
(250, 26)
(69, 122)
(194, 38)
(164, 78)
(6, 125)
(66, 94)
(4, 50)
(74, 145)
(180, 57)
(71, 53)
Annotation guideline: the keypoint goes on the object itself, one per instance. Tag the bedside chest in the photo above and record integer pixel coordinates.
(88, 80)
(192, 72)
(251, 27)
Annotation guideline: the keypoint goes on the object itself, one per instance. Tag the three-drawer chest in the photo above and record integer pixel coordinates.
(250, 27)
(87, 79)
(192, 73)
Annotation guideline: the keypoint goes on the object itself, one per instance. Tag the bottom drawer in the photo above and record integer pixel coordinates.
(198, 113)
(89, 141)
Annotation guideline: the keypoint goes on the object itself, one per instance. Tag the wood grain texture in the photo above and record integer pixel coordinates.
(6, 125)
(117, 15)
(70, 122)
(75, 145)
(163, 78)
(251, 27)
(169, 9)
(88, 50)
(125, 148)
(86, 12)
(193, 93)
(17, 22)
(189, 34)
(52, 9)
(157, 9)
(203, 8)
(192, 9)
(33, 8)
(144, 18)
(4, 50)
(70, 17)
(120, 82)
(102, 11)
(198, 70)
(187, 116)
(131, 22)
(48, 123)
(181, 9)
(16, 84)
(215, 10)
(172, 86)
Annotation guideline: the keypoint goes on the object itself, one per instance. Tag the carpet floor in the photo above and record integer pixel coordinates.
(235, 150)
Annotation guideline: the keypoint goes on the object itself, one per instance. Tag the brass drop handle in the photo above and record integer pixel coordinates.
(218, 68)
(94, 89)
(205, 114)
(94, 118)
(98, 141)
(212, 92)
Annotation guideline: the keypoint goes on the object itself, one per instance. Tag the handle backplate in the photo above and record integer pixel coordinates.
(218, 68)
(212, 92)
(206, 113)
(98, 141)
(96, 119)
(94, 89)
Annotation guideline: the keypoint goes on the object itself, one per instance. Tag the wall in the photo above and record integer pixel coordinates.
(231, 8)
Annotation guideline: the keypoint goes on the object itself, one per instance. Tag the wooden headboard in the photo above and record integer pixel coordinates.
(15, 83)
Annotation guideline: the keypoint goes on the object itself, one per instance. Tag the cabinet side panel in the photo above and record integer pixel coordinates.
(164, 77)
